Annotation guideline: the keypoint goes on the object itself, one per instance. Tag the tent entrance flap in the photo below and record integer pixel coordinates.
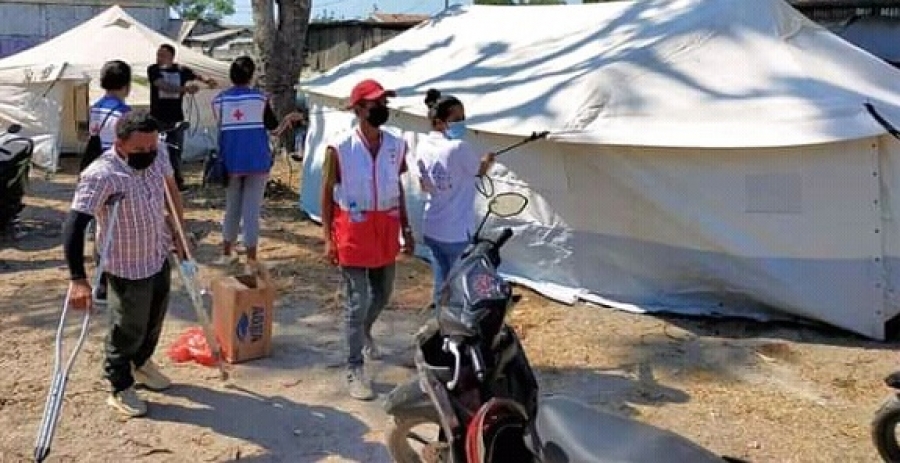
(75, 118)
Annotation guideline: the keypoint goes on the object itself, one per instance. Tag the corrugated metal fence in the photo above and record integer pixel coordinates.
(329, 44)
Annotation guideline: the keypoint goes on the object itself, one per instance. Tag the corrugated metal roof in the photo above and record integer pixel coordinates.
(399, 17)
(217, 35)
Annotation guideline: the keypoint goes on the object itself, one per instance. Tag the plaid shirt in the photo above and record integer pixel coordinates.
(141, 239)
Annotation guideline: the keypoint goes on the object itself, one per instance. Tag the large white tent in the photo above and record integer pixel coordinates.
(705, 156)
(48, 88)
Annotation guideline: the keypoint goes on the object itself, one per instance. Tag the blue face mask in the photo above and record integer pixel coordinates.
(456, 130)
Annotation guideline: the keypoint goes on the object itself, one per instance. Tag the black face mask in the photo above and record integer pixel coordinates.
(378, 115)
(140, 160)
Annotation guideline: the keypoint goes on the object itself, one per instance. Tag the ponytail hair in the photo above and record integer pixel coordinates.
(439, 105)
(431, 97)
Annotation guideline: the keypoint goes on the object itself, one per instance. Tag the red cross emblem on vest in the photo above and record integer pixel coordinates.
(238, 114)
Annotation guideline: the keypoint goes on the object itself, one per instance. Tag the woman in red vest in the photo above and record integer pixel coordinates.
(363, 217)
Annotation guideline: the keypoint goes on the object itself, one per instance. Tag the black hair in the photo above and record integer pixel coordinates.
(115, 75)
(242, 69)
(168, 47)
(439, 106)
(431, 96)
(135, 121)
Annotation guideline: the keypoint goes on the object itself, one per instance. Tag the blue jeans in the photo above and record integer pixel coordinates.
(443, 256)
(366, 291)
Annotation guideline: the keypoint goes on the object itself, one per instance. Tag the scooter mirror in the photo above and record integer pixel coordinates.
(507, 204)
(14, 128)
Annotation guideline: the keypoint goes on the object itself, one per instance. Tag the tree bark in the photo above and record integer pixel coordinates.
(280, 38)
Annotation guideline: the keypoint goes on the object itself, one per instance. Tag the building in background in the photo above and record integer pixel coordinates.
(333, 42)
(873, 25)
(398, 18)
(328, 43)
(217, 41)
(26, 23)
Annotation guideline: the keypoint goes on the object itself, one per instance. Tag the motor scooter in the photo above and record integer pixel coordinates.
(474, 382)
(15, 164)
(884, 425)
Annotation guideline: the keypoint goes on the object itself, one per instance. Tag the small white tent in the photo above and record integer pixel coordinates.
(48, 88)
(705, 156)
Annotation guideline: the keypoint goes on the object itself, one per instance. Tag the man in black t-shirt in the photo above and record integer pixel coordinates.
(170, 81)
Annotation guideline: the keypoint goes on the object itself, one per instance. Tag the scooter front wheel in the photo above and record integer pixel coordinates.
(399, 436)
(884, 429)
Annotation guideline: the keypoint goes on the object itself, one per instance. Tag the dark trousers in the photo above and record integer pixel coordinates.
(175, 141)
(366, 292)
(104, 283)
(137, 309)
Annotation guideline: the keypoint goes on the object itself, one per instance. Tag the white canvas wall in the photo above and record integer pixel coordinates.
(764, 232)
(38, 108)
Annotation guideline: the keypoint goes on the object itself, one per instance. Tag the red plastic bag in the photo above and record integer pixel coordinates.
(191, 345)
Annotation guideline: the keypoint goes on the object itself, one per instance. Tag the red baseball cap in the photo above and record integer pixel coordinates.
(368, 90)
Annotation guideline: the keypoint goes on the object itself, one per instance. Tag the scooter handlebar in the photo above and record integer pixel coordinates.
(504, 237)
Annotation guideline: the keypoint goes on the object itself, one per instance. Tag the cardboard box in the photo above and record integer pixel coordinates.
(242, 316)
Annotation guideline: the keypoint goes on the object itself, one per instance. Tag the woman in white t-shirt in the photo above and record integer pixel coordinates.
(448, 167)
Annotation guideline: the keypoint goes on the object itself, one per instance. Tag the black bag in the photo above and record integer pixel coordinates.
(214, 170)
(94, 147)
(14, 170)
(92, 151)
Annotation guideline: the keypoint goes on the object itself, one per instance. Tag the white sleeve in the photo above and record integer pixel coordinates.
(470, 159)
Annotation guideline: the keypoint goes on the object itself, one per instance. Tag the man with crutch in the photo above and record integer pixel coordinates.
(136, 262)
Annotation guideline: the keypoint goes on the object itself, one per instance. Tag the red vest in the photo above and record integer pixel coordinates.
(366, 224)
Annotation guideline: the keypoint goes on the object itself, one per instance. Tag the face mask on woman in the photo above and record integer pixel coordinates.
(456, 130)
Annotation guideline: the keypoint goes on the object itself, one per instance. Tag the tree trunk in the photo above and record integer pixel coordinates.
(280, 40)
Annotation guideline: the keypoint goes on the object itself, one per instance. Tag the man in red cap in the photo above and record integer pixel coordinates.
(363, 217)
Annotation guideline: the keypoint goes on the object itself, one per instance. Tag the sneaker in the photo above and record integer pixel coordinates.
(128, 403)
(360, 387)
(150, 377)
(370, 350)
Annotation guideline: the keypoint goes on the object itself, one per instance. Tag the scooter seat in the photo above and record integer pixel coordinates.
(567, 431)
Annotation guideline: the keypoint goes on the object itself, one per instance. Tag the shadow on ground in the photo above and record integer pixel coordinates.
(286, 430)
(615, 390)
(802, 333)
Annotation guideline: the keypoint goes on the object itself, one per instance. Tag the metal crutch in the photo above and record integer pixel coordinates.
(187, 269)
(53, 405)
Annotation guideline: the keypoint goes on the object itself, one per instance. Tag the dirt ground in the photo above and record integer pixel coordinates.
(766, 393)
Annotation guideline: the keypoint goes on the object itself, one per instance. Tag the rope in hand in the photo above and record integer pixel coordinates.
(193, 116)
